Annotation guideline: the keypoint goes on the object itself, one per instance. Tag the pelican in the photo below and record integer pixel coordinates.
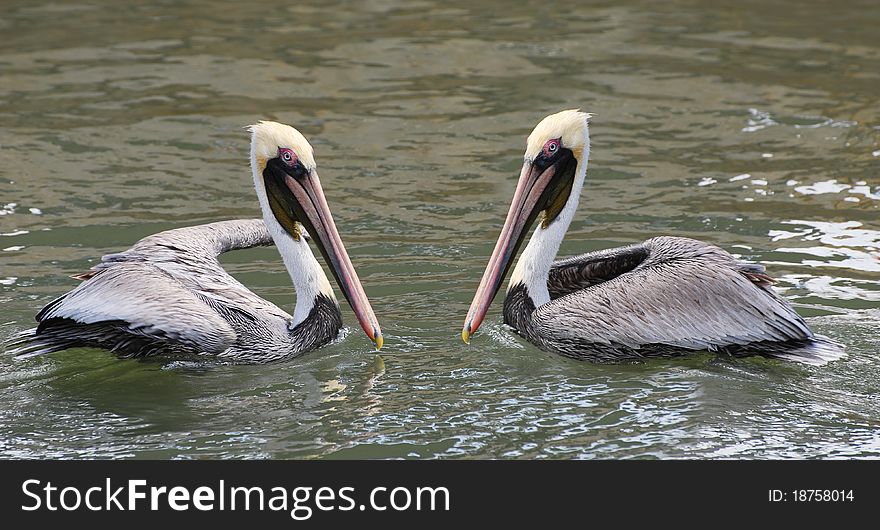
(666, 296)
(169, 294)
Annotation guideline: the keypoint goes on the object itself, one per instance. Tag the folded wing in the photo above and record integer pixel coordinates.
(668, 292)
(167, 292)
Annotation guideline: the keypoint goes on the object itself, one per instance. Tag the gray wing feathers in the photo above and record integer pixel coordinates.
(150, 301)
(190, 256)
(167, 291)
(685, 294)
(193, 247)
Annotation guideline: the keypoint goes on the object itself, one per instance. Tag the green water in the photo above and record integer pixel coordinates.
(755, 126)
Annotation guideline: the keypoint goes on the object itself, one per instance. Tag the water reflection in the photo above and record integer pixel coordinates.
(845, 244)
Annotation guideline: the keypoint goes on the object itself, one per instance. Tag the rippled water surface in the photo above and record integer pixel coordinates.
(755, 127)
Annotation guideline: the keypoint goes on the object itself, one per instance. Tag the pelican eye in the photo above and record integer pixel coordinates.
(286, 155)
(551, 146)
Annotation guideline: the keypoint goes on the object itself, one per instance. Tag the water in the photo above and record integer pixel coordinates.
(755, 127)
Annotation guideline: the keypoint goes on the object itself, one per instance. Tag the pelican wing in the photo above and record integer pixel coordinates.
(682, 294)
(136, 306)
(168, 291)
(190, 255)
(205, 242)
(579, 272)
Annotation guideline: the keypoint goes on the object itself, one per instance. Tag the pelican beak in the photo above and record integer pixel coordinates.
(299, 197)
(542, 184)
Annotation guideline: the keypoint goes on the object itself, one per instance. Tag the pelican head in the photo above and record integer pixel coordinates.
(284, 166)
(555, 151)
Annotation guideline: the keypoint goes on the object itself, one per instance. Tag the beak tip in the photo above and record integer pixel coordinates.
(466, 334)
(379, 340)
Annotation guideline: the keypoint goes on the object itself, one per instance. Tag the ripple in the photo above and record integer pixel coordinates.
(845, 244)
(833, 186)
(760, 120)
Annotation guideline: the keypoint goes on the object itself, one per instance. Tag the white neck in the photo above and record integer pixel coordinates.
(305, 272)
(533, 267)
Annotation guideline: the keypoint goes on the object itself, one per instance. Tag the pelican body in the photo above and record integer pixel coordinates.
(168, 294)
(666, 296)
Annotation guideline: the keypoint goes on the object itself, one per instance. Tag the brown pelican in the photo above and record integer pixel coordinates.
(663, 297)
(169, 294)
